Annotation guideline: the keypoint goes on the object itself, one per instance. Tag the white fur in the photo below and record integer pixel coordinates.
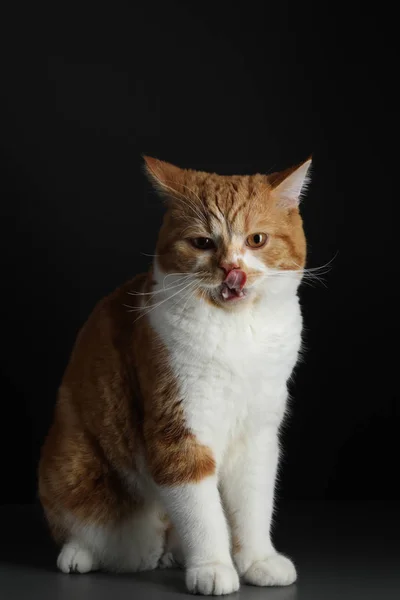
(197, 512)
(250, 259)
(74, 558)
(232, 368)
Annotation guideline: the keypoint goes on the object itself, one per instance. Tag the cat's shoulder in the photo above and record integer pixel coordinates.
(114, 312)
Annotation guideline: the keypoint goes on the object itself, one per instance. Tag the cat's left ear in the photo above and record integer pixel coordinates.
(166, 178)
(288, 185)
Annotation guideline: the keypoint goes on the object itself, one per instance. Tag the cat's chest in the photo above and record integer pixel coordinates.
(231, 369)
(242, 363)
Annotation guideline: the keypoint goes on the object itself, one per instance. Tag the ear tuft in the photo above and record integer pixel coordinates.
(288, 185)
(164, 176)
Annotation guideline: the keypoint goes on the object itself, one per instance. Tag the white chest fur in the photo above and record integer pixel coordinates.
(231, 367)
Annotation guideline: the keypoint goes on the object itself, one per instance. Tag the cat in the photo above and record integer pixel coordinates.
(164, 446)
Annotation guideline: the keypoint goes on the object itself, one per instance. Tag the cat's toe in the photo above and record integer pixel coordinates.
(212, 580)
(274, 570)
(75, 559)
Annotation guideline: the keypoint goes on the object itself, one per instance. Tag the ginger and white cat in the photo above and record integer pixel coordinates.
(164, 446)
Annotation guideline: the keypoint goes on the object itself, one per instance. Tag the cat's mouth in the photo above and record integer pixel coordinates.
(232, 288)
(228, 294)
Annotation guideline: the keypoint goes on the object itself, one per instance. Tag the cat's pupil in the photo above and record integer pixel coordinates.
(203, 243)
(257, 238)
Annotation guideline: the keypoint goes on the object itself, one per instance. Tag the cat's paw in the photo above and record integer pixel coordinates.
(274, 570)
(75, 559)
(212, 580)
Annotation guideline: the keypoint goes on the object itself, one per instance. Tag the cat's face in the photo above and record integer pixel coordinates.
(229, 235)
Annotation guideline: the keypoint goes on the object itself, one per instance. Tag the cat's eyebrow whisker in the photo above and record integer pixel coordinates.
(191, 227)
(179, 196)
(202, 216)
(191, 205)
(188, 201)
(194, 194)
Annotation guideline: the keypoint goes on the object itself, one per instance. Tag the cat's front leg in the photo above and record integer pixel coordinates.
(196, 511)
(248, 483)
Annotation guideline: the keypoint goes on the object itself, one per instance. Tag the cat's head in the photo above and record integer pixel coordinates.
(230, 237)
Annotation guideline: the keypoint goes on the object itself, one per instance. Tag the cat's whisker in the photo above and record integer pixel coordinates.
(190, 295)
(183, 279)
(200, 273)
(319, 269)
(153, 293)
(165, 289)
(203, 295)
(148, 300)
(179, 299)
(313, 277)
(148, 309)
(305, 277)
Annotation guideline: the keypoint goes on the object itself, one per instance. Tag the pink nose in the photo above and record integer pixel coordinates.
(227, 267)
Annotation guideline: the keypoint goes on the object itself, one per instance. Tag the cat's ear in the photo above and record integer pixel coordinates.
(288, 185)
(166, 178)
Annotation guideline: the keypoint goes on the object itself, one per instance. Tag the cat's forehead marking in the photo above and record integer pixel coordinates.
(229, 201)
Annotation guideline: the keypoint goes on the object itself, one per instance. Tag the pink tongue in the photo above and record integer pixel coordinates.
(236, 279)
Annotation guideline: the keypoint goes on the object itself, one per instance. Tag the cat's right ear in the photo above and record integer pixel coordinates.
(165, 178)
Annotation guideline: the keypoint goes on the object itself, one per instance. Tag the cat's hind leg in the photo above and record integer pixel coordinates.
(173, 554)
(99, 518)
(133, 544)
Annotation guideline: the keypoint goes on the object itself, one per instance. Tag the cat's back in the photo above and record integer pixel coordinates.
(107, 334)
(95, 426)
(97, 382)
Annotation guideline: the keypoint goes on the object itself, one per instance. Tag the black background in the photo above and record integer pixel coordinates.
(227, 88)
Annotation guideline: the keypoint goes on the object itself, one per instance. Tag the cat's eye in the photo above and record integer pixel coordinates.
(257, 240)
(203, 243)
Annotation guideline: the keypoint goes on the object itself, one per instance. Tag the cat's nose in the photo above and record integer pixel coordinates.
(228, 267)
